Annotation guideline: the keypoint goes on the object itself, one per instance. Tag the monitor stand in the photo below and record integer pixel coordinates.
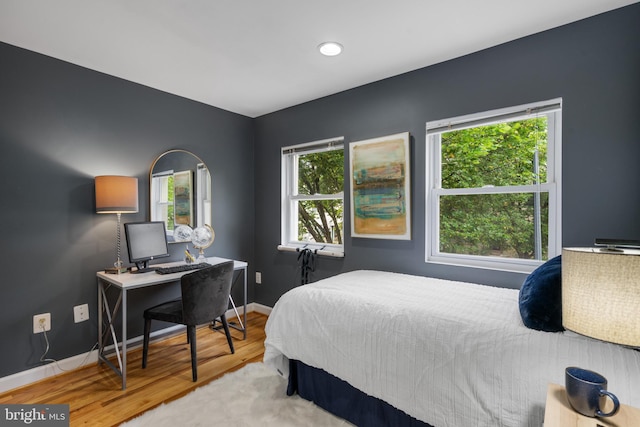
(142, 267)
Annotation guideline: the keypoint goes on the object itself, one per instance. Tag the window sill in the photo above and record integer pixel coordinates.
(516, 266)
(317, 249)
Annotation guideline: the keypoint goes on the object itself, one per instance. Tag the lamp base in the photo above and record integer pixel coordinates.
(114, 270)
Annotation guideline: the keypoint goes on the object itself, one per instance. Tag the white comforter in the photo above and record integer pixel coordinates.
(447, 353)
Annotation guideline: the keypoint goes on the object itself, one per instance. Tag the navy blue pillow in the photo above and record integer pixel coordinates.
(541, 297)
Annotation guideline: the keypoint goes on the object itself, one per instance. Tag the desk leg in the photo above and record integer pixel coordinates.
(104, 330)
(243, 322)
(244, 311)
(124, 339)
(100, 310)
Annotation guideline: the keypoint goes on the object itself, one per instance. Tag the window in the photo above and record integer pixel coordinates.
(203, 196)
(493, 188)
(312, 194)
(162, 201)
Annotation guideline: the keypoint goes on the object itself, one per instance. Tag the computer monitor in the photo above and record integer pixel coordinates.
(146, 241)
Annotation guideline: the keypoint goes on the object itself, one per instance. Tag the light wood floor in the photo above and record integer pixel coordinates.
(94, 392)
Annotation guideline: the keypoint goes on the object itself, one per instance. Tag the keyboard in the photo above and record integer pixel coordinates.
(181, 268)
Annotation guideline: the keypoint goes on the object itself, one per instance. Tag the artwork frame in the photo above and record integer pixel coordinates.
(380, 178)
(183, 198)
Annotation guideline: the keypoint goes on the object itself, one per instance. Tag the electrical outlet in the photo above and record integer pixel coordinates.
(81, 313)
(41, 323)
(258, 277)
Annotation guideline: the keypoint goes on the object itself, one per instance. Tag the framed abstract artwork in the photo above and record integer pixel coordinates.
(380, 187)
(183, 198)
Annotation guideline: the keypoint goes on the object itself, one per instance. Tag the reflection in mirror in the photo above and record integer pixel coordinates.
(180, 191)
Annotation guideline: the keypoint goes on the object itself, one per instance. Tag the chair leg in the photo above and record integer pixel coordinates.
(191, 334)
(223, 318)
(145, 344)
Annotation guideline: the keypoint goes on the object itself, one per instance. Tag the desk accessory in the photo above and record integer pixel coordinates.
(116, 194)
(188, 258)
(182, 233)
(587, 392)
(202, 238)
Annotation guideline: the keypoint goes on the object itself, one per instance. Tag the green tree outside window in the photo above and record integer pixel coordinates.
(496, 223)
(321, 220)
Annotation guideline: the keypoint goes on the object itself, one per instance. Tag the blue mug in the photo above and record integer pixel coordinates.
(587, 392)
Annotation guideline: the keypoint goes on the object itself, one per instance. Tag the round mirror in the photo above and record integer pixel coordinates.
(180, 191)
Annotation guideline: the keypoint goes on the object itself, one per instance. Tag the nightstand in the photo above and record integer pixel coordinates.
(558, 413)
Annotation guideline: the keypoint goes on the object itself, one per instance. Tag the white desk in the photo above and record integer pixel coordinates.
(126, 282)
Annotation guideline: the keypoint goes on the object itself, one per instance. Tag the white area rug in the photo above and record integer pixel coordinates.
(252, 396)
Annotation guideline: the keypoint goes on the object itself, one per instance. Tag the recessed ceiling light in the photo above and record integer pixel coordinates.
(330, 48)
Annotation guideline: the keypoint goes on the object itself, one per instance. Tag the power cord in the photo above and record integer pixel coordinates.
(46, 360)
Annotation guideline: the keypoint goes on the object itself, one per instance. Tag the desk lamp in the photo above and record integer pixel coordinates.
(601, 294)
(118, 195)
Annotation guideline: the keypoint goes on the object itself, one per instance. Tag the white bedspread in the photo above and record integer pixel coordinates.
(447, 353)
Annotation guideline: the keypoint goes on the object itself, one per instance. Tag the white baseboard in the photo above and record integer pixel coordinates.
(259, 308)
(52, 369)
(45, 371)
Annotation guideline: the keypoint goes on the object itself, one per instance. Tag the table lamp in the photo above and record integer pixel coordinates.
(118, 195)
(601, 294)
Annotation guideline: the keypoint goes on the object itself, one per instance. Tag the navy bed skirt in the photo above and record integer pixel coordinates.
(342, 399)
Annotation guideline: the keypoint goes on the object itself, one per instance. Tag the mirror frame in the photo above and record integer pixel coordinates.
(153, 165)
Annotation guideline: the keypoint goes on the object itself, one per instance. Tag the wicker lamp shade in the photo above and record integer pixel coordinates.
(601, 294)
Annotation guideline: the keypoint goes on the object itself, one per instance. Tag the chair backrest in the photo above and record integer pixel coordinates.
(205, 293)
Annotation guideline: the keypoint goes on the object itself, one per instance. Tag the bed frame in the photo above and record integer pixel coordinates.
(340, 398)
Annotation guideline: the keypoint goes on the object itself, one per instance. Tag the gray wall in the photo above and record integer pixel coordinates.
(594, 65)
(61, 125)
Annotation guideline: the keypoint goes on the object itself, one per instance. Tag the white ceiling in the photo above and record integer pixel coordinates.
(254, 57)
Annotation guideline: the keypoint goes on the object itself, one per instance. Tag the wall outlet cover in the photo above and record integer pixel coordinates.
(81, 313)
(40, 321)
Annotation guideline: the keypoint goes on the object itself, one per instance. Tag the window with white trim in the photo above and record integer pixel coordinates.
(312, 194)
(494, 188)
(162, 208)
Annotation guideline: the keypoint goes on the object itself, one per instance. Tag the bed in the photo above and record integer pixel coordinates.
(441, 353)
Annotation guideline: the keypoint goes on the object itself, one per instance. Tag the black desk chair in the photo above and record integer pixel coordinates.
(205, 297)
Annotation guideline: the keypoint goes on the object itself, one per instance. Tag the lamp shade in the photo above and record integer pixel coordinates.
(601, 294)
(116, 194)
